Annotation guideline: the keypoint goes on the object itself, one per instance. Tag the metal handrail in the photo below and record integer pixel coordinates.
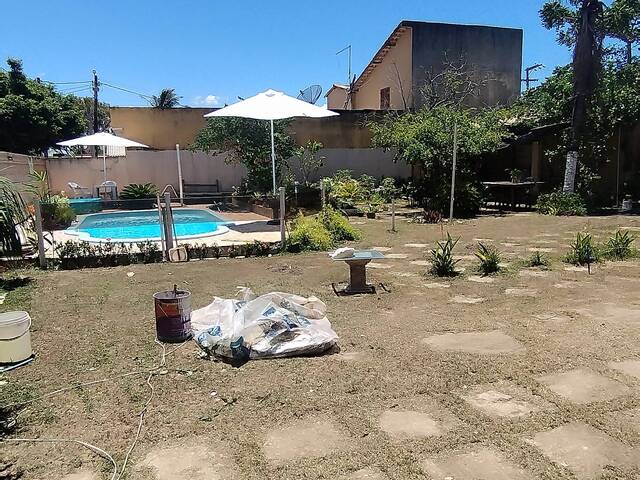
(169, 187)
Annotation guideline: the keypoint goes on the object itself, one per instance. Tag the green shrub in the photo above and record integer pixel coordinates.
(137, 191)
(56, 213)
(309, 233)
(583, 252)
(388, 189)
(435, 195)
(561, 204)
(620, 246)
(442, 262)
(489, 259)
(338, 225)
(537, 259)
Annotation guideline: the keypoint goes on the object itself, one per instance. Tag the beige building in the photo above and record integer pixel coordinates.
(394, 77)
(159, 128)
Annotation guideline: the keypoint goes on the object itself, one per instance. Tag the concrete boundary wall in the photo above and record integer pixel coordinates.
(160, 167)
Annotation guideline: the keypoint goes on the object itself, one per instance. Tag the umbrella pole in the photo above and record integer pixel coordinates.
(104, 163)
(273, 159)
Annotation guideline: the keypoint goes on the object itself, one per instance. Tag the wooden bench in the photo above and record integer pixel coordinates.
(201, 189)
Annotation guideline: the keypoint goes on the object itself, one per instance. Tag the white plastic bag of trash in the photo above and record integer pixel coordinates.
(272, 325)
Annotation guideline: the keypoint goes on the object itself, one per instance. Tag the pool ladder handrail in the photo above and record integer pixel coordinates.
(170, 188)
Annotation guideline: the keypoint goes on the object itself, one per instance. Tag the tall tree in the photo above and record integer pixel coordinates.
(33, 116)
(168, 98)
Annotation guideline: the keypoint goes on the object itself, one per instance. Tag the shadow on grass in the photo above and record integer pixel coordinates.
(11, 284)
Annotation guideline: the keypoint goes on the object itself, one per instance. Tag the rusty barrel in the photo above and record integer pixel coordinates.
(173, 315)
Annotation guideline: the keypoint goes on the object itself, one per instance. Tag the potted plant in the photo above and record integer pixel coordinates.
(516, 175)
(138, 196)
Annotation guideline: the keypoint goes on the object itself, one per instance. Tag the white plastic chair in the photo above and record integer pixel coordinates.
(79, 191)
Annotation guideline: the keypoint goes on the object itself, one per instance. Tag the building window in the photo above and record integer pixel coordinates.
(385, 98)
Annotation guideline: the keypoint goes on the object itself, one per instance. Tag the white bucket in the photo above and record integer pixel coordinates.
(15, 337)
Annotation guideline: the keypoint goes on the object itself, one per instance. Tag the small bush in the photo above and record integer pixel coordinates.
(136, 191)
(620, 246)
(338, 225)
(561, 204)
(309, 233)
(538, 259)
(583, 252)
(56, 213)
(489, 259)
(442, 262)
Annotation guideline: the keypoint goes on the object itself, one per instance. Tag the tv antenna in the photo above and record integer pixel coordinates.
(527, 80)
(310, 94)
(347, 49)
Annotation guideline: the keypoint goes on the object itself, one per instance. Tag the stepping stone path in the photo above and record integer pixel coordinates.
(416, 245)
(308, 438)
(370, 473)
(565, 285)
(405, 274)
(467, 300)
(482, 463)
(552, 317)
(541, 249)
(510, 245)
(82, 475)
(409, 424)
(397, 256)
(583, 386)
(196, 459)
(479, 279)
(521, 292)
(585, 450)
(483, 240)
(381, 249)
(484, 343)
(628, 367)
(464, 258)
(379, 266)
(504, 400)
(349, 356)
(534, 273)
(545, 242)
(576, 269)
(436, 285)
(421, 263)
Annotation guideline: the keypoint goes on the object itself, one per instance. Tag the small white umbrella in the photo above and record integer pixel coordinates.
(272, 105)
(101, 139)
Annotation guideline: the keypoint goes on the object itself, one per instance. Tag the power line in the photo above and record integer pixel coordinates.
(146, 97)
(66, 83)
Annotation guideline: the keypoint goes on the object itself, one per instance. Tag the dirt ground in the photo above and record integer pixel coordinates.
(528, 374)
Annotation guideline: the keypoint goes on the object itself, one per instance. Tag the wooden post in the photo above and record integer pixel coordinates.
(453, 169)
(41, 253)
(168, 222)
(283, 225)
(322, 193)
(393, 214)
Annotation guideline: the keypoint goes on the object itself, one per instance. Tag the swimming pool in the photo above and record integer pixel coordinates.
(140, 225)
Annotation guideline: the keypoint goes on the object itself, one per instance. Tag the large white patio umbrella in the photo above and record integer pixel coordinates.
(272, 105)
(101, 139)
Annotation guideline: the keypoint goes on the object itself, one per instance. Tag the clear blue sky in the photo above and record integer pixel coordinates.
(221, 49)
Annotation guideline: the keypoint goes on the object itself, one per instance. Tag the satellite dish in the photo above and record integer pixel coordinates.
(310, 94)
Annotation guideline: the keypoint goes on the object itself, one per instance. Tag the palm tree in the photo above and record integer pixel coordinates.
(167, 99)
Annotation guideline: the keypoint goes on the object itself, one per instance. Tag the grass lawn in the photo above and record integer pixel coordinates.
(527, 374)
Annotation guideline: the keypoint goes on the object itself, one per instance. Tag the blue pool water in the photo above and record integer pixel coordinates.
(144, 225)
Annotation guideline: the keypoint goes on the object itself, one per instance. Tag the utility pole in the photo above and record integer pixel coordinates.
(96, 88)
(527, 80)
